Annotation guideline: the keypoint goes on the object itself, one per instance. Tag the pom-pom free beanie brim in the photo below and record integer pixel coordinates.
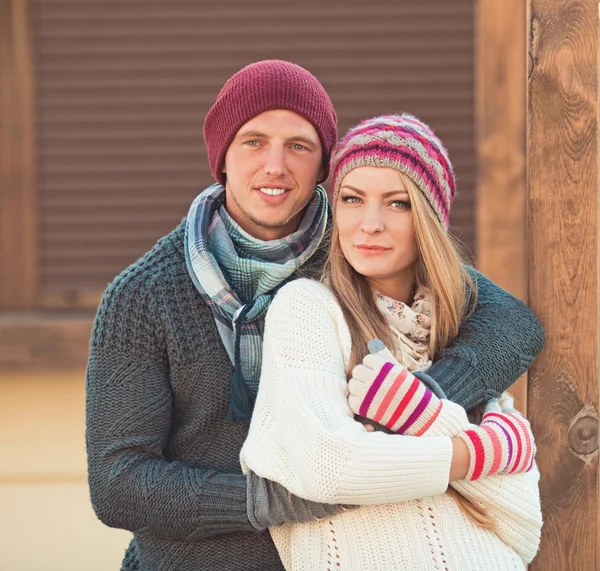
(404, 143)
(260, 87)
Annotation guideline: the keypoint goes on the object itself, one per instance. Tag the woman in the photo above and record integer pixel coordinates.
(394, 275)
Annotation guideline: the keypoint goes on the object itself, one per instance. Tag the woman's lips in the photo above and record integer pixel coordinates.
(370, 250)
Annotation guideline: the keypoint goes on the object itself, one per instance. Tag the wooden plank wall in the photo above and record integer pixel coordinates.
(500, 117)
(562, 147)
(18, 218)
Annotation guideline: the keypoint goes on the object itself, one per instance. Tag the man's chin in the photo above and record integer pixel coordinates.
(272, 223)
(273, 218)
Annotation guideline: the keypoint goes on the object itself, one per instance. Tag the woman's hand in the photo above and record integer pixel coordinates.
(502, 444)
(391, 396)
(385, 392)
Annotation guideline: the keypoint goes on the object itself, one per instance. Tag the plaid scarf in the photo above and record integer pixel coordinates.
(238, 275)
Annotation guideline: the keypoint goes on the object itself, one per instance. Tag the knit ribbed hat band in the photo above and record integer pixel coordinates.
(260, 87)
(404, 143)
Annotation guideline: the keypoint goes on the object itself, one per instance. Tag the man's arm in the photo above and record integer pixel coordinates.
(129, 411)
(494, 346)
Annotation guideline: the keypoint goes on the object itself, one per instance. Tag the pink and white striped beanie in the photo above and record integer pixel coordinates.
(401, 142)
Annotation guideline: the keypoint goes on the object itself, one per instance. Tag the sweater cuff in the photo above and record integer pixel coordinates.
(451, 421)
(457, 378)
(432, 385)
(226, 494)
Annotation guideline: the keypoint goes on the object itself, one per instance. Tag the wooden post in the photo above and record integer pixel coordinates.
(18, 214)
(562, 147)
(500, 115)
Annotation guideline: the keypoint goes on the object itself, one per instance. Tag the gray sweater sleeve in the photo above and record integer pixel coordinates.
(494, 346)
(128, 417)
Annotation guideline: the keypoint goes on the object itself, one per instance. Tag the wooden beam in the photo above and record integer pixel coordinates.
(562, 147)
(500, 115)
(500, 127)
(18, 218)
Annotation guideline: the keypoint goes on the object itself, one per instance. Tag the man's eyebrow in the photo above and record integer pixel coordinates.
(305, 140)
(384, 195)
(251, 133)
(260, 135)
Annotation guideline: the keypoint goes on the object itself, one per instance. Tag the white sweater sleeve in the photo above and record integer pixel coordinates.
(513, 502)
(303, 433)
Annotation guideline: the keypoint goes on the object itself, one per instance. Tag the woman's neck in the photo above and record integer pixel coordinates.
(400, 290)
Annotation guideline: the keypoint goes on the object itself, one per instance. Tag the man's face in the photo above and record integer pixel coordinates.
(272, 167)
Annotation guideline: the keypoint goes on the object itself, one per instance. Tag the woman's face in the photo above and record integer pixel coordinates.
(376, 230)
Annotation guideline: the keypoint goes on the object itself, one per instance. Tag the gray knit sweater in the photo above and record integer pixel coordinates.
(162, 460)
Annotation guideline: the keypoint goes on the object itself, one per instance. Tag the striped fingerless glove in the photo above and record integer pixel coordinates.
(385, 392)
(502, 444)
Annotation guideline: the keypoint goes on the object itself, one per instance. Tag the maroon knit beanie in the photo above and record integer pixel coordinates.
(259, 87)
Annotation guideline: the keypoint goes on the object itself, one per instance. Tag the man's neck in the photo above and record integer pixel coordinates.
(260, 231)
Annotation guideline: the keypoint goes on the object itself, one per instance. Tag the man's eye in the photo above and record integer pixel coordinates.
(252, 143)
(298, 147)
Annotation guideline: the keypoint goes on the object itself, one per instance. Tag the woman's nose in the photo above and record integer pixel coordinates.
(372, 223)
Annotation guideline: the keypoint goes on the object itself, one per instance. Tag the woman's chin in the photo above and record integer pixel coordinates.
(371, 272)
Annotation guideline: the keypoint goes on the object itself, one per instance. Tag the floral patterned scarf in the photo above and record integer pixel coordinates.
(412, 327)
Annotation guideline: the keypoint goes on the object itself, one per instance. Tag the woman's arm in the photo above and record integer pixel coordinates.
(494, 346)
(511, 500)
(513, 503)
(303, 433)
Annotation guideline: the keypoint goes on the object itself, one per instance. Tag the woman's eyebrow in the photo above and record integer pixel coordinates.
(384, 195)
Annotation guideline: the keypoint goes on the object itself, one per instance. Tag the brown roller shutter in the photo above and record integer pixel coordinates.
(123, 88)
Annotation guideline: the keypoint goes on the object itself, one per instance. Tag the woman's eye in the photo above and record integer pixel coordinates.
(350, 199)
(400, 204)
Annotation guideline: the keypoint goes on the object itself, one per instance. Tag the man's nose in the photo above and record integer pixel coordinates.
(275, 161)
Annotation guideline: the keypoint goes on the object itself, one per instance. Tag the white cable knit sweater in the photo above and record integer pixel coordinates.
(303, 435)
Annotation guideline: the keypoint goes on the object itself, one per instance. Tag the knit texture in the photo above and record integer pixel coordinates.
(237, 276)
(405, 521)
(270, 504)
(501, 444)
(259, 87)
(451, 419)
(391, 396)
(162, 460)
(404, 143)
(498, 342)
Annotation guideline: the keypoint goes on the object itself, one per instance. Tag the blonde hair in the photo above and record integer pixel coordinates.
(439, 269)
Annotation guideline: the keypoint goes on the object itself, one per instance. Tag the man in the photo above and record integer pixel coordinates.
(176, 347)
